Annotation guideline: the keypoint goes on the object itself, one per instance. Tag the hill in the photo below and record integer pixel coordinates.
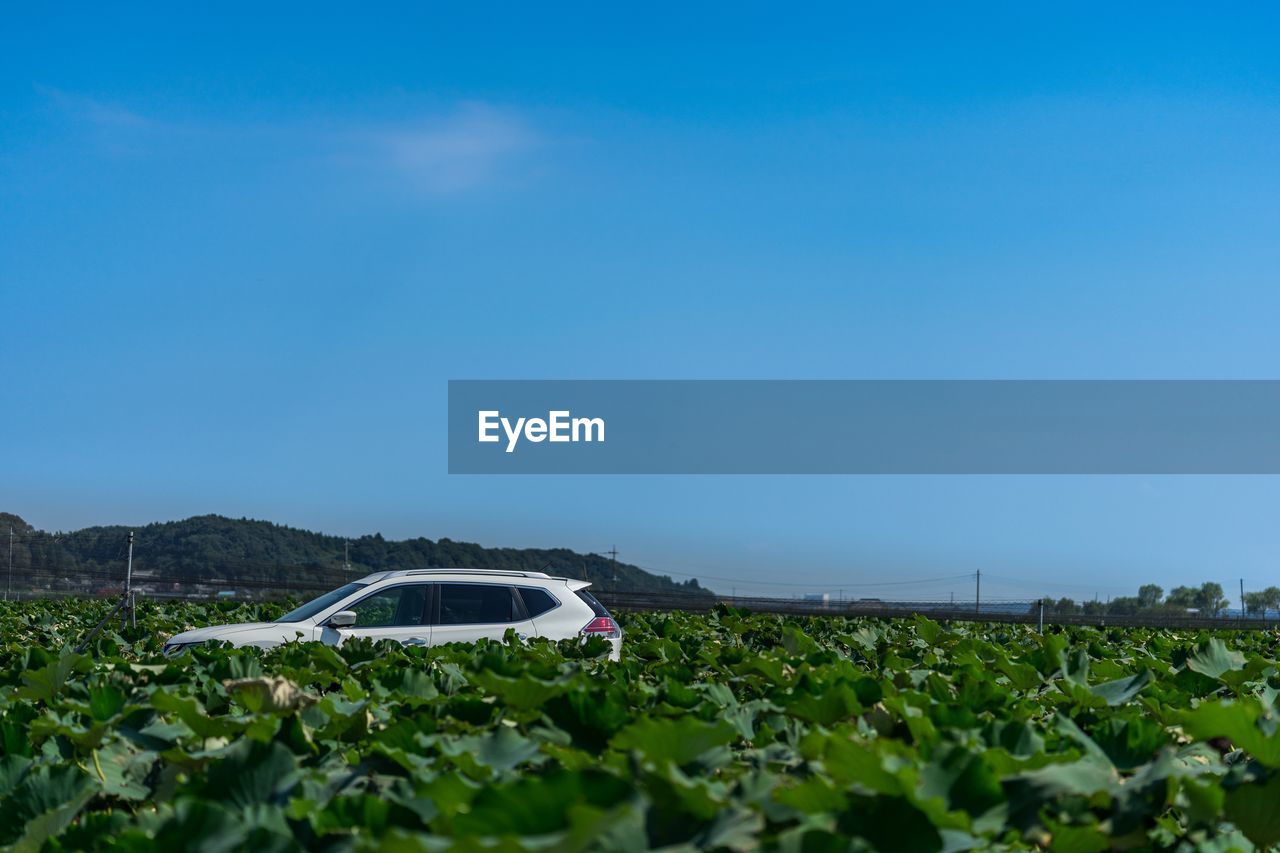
(220, 550)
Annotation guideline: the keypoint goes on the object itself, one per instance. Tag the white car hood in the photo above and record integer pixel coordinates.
(283, 630)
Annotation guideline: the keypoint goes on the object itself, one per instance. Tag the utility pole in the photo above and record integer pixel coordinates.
(346, 556)
(613, 555)
(9, 583)
(1042, 616)
(124, 606)
(977, 592)
(129, 615)
(1241, 598)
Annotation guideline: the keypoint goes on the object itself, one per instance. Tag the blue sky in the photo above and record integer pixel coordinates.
(241, 254)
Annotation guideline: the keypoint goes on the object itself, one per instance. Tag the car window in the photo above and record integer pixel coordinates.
(393, 607)
(594, 603)
(311, 608)
(536, 601)
(476, 604)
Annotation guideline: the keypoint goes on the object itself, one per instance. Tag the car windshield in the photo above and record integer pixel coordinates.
(311, 608)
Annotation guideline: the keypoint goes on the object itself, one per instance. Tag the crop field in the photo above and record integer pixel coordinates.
(719, 731)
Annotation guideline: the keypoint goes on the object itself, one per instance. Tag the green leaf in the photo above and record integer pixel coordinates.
(927, 629)
(891, 823)
(731, 829)
(522, 692)
(962, 780)
(361, 813)
(836, 703)
(1021, 675)
(680, 741)
(47, 682)
(858, 763)
(814, 795)
(1242, 722)
(250, 773)
(1130, 743)
(1087, 838)
(1075, 666)
(42, 805)
(1213, 658)
(122, 771)
(502, 749)
(537, 806)
(202, 826)
(1020, 738)
(1205, 798)
(1253, 809)
(1122, 690)
(105, 701)
(13, 768)
(192, 714)
(1029, 792)
(797, 642)
(269, 695)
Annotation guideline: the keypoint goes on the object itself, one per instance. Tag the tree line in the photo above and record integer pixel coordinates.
(1208, 599)
(225, 550)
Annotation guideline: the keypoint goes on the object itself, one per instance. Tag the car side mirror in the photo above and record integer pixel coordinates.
(342, 619)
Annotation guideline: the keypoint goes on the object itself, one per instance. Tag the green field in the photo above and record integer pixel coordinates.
(727, 731)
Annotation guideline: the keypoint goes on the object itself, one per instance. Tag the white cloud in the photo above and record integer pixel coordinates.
(93, 111)
(470, 149)
(474, 146)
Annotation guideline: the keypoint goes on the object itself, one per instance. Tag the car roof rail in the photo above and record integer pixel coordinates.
(377, 576)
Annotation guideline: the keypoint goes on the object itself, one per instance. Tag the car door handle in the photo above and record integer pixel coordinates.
(415, 641)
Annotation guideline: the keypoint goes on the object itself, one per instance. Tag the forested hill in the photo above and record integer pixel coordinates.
(212, 546)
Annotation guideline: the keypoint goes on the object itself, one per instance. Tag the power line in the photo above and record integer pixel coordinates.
(1024, 583)
(810, 584)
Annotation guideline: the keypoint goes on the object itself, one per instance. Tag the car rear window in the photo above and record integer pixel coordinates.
(536, 601)
(476, 604)
(596, 607)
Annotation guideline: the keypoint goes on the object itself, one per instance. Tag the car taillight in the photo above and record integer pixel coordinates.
(603, 626)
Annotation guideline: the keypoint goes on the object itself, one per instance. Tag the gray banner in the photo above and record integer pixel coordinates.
(863, 427)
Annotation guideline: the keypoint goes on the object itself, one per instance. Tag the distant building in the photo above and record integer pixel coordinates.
(821, 597)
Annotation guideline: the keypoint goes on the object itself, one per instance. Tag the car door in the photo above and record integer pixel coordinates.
(474, 610)
(397, 612)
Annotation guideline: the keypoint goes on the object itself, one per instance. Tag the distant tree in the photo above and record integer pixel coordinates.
(1125, 605)
(1183, 596)
(240, 550)
(9, 521)
(1260, 602)
(1271, 597)
(1061, 605)
(1094, 608)
(1149, 595)
(1209, 598)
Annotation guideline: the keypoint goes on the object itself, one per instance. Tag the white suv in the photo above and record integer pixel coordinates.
(430, 607)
